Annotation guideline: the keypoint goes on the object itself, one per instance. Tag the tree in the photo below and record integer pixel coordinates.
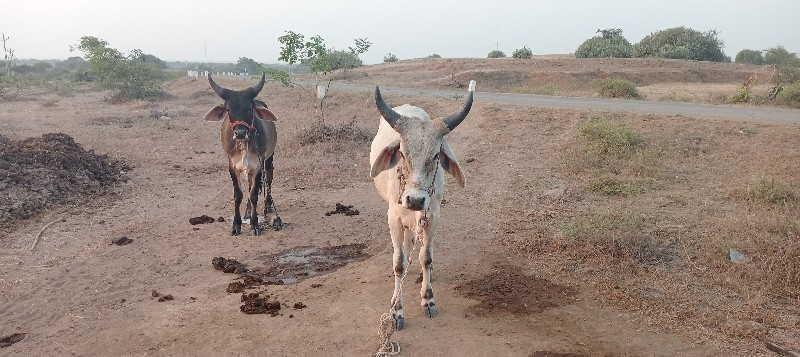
(313, 53)
(248, 65)
(129, 77)
(610, 43)
(390, 57)
(778, 55)
(683, 43)
(496, 54)
(523, 52)
(749, 56)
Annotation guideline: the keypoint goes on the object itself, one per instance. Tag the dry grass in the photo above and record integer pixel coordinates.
(341, 133)
(651, 207)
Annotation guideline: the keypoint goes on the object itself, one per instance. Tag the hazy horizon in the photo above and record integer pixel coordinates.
(209, 32)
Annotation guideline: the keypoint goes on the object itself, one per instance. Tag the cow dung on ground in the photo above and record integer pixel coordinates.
(36, 173)
(507, 290)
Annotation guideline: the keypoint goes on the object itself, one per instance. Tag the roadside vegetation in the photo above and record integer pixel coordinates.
(616, 88)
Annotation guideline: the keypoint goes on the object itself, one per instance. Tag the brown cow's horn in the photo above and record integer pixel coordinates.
(254, 90)
(454, 119)
(387, 112)
(221, 92)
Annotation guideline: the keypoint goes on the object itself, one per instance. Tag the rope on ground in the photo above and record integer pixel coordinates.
(387, 324)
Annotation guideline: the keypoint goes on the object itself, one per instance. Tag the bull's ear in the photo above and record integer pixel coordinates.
(387, 159)
(215, 114)
(264, 113)
(450, 164)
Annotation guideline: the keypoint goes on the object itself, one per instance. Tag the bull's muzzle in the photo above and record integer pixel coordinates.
(240, 133)
(416, 200)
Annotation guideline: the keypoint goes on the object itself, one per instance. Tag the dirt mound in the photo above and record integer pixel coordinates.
(38, 172)
(508, 290)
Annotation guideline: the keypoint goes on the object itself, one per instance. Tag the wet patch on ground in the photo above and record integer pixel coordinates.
(297, 264)
(287, 267)
(507, 290)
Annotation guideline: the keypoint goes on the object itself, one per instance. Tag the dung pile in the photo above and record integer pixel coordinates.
(36, 173)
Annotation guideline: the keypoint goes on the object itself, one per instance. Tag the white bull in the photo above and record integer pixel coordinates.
(408, 159)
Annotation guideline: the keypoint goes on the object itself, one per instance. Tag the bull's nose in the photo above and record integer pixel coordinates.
(415, 203)
(240, 133)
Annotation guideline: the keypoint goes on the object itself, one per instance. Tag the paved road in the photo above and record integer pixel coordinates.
(635, 106)
(733, 112)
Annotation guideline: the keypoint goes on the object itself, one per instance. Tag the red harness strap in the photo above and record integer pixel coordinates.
(249, 127)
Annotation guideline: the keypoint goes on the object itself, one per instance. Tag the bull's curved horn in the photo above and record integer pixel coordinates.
(254, 90)
(454, 119)
(221, 92)
(387, 112)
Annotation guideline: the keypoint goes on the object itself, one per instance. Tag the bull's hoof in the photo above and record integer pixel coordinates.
(399, 322)
(256, 231)
(429, 310)
(237, 230)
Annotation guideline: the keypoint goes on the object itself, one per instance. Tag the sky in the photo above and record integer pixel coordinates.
(223, 31)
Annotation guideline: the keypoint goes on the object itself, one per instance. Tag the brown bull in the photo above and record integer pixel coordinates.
(248, 138)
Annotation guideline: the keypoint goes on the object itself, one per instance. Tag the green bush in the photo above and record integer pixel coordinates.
(523, 52)
(616, 88)
(682, 41)
(390, 57)
(610, 44)
(749, 56)
(790, 95)
(434, 56)
(496, 54)
(129, 77)
(343, 59)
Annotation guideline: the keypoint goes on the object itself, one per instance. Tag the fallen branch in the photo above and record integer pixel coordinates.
(35, 241)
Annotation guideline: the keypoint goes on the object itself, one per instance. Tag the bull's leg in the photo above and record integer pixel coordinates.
(237, 201)
(426, 261)
(254, 179)
(268, 170)
(399, 265)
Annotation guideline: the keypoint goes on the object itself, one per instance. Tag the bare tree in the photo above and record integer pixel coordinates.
(8, 54)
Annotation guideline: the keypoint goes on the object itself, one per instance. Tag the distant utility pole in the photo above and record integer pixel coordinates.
(498, 37)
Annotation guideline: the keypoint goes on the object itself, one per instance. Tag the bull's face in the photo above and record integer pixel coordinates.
(241, 109)
(422, 148)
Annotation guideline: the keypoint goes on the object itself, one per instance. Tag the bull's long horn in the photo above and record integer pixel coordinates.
(387, 112)
(454, 119)
(254, 90)
(221, 92)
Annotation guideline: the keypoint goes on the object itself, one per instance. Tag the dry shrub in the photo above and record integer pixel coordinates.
(346, 132)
